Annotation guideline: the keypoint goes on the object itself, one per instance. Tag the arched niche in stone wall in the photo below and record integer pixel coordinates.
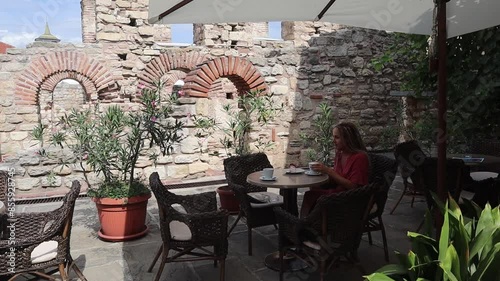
(45, 72)
(67, 95)
(169, 68)
(240, 71)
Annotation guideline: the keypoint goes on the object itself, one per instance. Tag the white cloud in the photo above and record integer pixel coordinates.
(19, 40)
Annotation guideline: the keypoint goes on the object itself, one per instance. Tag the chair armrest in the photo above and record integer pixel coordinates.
(198, 203)
(29, 224)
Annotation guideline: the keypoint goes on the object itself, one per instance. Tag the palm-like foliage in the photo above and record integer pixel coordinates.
(467, 250)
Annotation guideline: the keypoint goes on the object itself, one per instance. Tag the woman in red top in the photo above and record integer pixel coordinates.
(351, 165)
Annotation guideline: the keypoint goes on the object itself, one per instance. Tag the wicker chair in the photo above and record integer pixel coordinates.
(4, 177)
(42, 241)
(189, 224)
(382, 172)
(331, 231)
(456, 173)
(410, 157)
(257, 212)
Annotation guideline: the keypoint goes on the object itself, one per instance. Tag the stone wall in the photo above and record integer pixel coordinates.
(325, 63)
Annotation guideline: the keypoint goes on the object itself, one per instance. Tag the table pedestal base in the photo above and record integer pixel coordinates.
(291, 263)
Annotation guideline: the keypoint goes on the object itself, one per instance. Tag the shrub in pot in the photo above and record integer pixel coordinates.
(110, 142)
(253, 108)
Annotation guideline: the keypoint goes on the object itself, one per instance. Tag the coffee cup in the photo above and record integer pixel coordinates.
(267, 173)
(311, 165)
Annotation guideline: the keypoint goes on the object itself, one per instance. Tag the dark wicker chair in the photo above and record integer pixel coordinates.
(34, 231)
(207, 227)
(331, 231)
(456, 173)
(257, 213)
(410, 157)
(4, 177)
(382, 172)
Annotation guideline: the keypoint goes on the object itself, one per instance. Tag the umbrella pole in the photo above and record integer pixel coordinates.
(442, 91)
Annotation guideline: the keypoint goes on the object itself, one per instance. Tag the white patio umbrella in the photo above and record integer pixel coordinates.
(406, 16)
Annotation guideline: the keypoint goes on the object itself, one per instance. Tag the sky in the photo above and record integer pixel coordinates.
(21, 21)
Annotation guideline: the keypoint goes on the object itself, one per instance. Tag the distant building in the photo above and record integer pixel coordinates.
(47, 36)
(4, 47)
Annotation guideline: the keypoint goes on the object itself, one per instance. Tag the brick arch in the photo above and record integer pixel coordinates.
(48, 70)
(240, 71)
(161, 65)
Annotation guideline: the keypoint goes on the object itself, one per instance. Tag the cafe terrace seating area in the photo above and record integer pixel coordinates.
(99, 260)
(244, 252)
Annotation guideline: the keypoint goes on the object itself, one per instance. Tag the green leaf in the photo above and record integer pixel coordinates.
(378, 277)
(488, 268)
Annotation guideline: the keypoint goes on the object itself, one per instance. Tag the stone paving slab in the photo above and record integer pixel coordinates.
(130, 260)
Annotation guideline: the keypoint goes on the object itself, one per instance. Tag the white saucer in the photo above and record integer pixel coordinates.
(296, 171)
(310, 173)
(266, 179)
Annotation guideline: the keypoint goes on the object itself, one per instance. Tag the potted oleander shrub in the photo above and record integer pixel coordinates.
(466, 250)
(254, 108)
(109, 142)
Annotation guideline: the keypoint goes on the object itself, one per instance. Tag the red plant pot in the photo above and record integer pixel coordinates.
(228, 200)
(122, 219)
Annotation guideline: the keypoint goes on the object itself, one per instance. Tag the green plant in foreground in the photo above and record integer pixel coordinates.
(465, 251)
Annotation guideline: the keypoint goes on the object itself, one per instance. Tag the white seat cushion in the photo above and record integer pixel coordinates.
(311, 244)
(479, 176)
(46, 251)
(267, 199)
(409, 180)
(178, 230)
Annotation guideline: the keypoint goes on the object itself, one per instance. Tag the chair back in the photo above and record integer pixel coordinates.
(455, 175)
(4, 177)
(340, 217)
(409, 156)
(237, 168)
(382, 172)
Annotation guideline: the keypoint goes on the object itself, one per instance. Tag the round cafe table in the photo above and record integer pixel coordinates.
(288, 184)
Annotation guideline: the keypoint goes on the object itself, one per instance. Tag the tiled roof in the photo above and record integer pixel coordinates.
(4, 47)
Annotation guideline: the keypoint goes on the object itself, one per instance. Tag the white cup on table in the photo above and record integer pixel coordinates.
(311, 165)
(267, 173)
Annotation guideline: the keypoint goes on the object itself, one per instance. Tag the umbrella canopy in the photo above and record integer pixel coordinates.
(406, 16)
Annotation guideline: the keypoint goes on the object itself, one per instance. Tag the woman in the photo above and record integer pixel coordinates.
(351, 165)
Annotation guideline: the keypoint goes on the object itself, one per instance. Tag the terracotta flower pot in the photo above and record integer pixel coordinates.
(122, 219)
(228, 200)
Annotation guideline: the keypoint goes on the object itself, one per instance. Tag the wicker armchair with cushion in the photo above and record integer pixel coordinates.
(42, 242)
(191, 226)
(331, 231)
(382, 172)
(410, 157)
(256, 205)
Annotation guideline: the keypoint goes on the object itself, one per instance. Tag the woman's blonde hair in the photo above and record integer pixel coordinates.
(351, 137)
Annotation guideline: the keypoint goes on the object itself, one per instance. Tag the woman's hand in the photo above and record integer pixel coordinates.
(319, 167)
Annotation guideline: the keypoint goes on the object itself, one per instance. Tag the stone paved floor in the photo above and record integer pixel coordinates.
(129, 260)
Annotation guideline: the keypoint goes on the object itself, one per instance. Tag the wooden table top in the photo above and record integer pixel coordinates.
(284, 180)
